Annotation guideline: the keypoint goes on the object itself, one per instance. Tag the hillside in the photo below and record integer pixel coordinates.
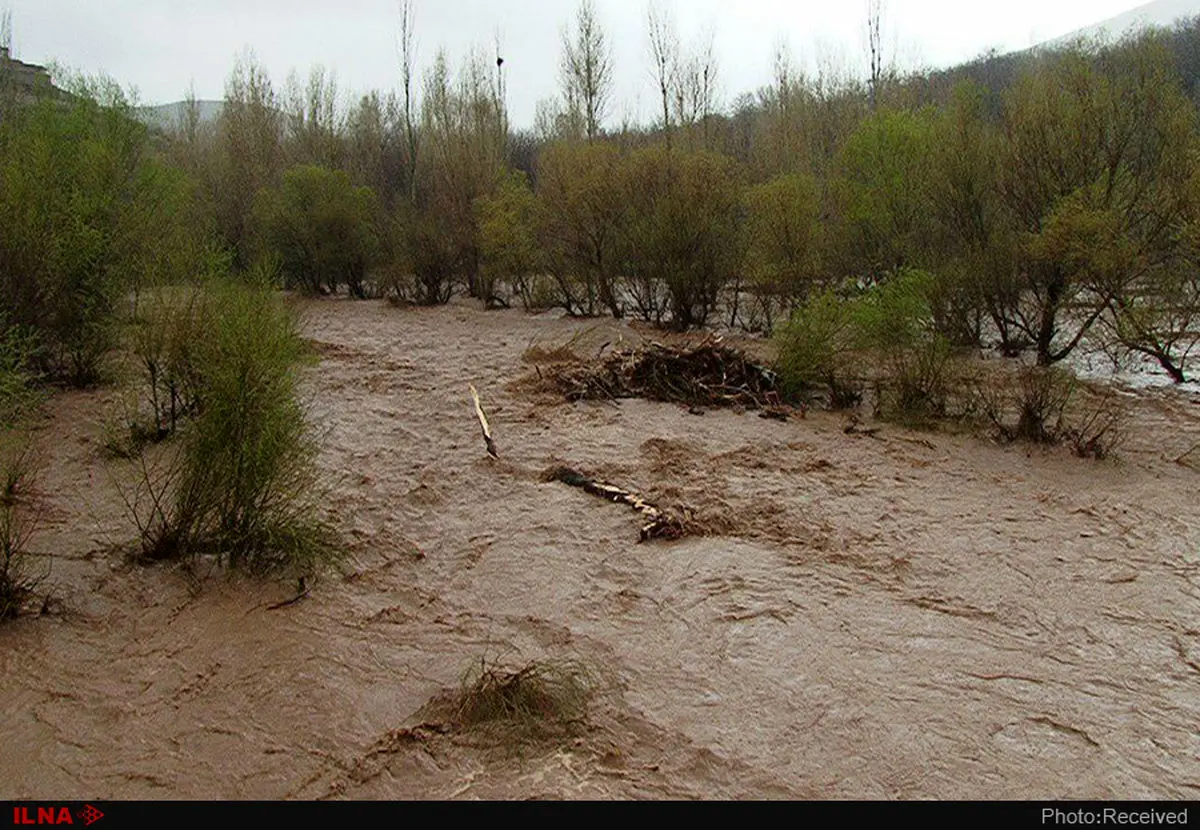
(1160, 13)
(168, 116)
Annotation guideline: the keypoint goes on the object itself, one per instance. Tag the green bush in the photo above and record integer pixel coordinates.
(242, 484)
(85, 217)
(814, 348)
(894, 322)
(322, 229)
(887, 332)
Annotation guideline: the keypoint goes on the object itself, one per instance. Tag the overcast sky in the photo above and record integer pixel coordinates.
(160, 46)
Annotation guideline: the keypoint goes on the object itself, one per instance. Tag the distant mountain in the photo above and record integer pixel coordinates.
(170, 116)
(1159, 14)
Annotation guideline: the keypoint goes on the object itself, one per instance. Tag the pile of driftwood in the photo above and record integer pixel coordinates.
(708, 373)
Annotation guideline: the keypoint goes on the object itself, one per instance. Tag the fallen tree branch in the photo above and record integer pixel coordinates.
(483, 425)
(659, 524)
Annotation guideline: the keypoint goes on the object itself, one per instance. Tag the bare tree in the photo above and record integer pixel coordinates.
(875, 10)
(408, 80)
(251, 133)
(696, 86)
(190, 116)
(6, 31)
(501, 99)
(587, 70)
(664, 55)
(312, 118)
(6, 39)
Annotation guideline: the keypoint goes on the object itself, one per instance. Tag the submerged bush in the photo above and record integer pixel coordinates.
(1047, 405)
(242, 484)
(514, 706)
(894, 321)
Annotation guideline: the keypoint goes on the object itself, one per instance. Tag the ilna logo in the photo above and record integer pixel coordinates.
(87, 815)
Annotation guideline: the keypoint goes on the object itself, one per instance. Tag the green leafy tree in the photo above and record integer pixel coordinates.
(783, 239)
(85, 216)
(508, 237)
(972, 246)
(582, 210)
(881, 191)
(322, 229)
(684, 240)
(1095, 175)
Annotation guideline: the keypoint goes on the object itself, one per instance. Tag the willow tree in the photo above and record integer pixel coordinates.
(1096, 178)
(583, 207)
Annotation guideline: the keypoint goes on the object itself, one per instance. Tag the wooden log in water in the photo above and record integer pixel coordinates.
(659, 524)
(484, 426)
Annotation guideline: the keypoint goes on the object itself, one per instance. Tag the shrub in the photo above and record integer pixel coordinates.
(1052, 407)
(163, 343)
(813, 351)
(321, 228)
(894, 321)
(18, 400)
(511, 706)
(242, 484)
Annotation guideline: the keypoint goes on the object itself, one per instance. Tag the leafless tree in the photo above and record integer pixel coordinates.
(312, 117)
(6, 31)
(6, 39)
(694, 96)
(707, 69)
(189, 117)
(408, 81)
(664, 55)
(875, 9)
(501, 101)
(587, 70)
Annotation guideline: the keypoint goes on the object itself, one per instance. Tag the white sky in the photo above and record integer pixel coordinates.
(159, 46)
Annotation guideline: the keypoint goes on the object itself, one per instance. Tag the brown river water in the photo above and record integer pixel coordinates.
(906, 615)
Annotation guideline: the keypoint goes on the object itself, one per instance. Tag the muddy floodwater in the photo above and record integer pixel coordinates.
(904, 615)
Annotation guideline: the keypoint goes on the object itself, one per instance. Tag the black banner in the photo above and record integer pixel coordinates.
(102, 815)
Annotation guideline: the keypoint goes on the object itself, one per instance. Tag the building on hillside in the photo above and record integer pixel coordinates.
(28, 79)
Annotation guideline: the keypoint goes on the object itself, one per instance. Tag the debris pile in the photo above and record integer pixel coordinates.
(706, 374)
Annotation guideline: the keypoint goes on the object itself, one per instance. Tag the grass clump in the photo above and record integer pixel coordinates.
(534, 703)
(242, 483)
